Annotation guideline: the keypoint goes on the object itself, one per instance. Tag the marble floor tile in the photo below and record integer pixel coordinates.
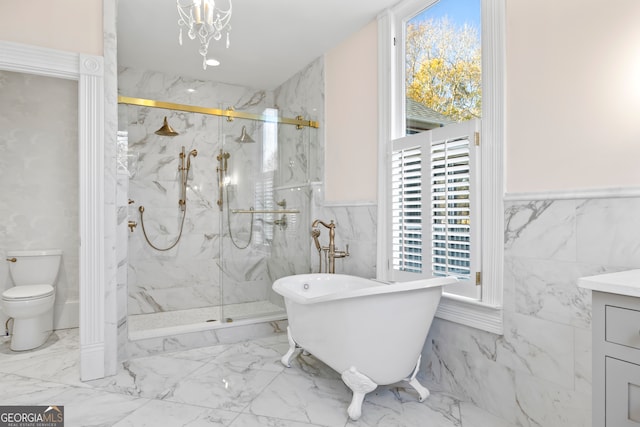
(89, 407)
(63, 340)
(61, 366)
(219, 387)
(475, 417)
(20, 390)
(393, 406)
(304, 398)
(242, 384)
(250, 420)
(157, 413)
(237, 357)
(153, 377)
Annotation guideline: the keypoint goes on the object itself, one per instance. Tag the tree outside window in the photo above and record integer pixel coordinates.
(443, 64)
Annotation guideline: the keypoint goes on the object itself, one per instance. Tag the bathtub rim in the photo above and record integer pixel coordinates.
(377, 288)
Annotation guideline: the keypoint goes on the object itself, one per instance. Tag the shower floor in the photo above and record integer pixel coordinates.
(212, 315)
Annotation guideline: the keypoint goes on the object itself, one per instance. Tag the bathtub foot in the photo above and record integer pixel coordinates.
(286, 359)
(360, 385)
(423, 392)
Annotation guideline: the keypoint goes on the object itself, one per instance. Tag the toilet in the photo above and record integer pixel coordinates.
(30, 301)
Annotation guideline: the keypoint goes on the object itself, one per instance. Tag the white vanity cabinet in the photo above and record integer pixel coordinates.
(616, 348)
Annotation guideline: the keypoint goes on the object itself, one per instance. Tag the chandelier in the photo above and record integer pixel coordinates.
(204, 21)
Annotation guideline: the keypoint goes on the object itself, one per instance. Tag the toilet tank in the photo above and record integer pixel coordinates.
(36, 267)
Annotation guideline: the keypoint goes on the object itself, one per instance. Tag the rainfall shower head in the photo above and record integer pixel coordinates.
(244, 136)
(166, 130)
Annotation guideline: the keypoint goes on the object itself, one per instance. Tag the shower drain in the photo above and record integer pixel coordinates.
(227, 320)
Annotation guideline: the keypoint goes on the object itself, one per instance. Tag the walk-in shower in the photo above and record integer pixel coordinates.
(243, 216)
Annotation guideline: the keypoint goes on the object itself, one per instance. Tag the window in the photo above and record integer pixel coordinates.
(434, 186)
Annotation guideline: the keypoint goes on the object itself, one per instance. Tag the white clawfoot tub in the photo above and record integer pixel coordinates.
(371, 332)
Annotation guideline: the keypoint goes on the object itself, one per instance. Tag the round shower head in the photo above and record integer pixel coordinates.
(244, 136)
(166, 130)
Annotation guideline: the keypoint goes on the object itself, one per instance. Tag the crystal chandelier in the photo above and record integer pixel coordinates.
(203, 20)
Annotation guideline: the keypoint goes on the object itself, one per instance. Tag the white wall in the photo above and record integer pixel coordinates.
(573, 94)
(351, 107)
(70, 25)
(39, 173)
(573, 100)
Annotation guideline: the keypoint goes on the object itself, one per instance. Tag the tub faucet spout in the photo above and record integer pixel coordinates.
(331, 249)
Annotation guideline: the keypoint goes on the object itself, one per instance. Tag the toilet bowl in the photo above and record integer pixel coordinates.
(30, 301)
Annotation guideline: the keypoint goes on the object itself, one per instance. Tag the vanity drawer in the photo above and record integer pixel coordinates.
(622, 326)
(622, 393)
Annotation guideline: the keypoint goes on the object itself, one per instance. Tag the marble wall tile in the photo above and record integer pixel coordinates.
(115, 221)
(608, 232)
(541, 403)
(528, 346)
(546, 346)
(465, 364)
(356, 226)
(303, 94)
(583, 360)
(541, 229)
(206, 255)
(547, 289)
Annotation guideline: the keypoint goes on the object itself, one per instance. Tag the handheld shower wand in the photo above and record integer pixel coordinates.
(184, 176)
(222, 158)
(182, 202)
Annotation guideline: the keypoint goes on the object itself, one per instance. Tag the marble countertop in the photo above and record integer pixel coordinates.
(622, 283)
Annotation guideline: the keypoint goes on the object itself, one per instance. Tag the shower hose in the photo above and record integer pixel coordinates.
(184, 175)
(229, 225)
(144, 231)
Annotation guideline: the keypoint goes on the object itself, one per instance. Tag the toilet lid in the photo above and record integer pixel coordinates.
(27, 292)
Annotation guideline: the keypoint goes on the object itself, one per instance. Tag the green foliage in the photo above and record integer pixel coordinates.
(443, 68)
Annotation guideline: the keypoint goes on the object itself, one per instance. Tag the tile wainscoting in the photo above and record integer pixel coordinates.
(539, 371)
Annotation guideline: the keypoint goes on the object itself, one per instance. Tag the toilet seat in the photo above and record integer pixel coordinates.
(27, 292)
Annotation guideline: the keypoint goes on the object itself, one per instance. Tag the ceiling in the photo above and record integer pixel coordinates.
(270, 40)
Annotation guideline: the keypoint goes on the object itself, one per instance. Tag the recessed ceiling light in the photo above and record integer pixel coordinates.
(191, 90)
(213, 62)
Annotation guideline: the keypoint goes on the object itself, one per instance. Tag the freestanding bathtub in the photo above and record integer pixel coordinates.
(370, 332)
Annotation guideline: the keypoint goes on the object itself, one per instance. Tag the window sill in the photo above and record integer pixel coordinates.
(470, 312)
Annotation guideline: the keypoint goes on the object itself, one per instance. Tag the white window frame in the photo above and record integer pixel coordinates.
(423, 143)
(485, 313)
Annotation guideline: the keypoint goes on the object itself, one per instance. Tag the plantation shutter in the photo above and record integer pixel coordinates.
(435, 216)
(451, 224)
(406, 209)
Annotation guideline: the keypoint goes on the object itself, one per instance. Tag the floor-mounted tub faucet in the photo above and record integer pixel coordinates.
(330, 250)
